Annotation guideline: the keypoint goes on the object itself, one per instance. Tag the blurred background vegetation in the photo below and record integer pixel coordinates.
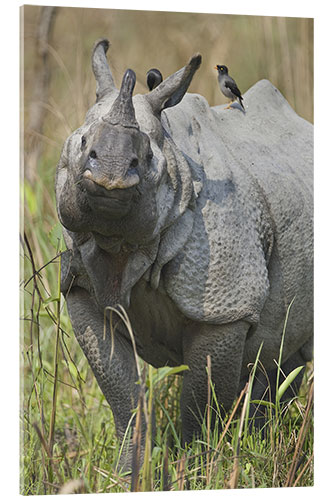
(277, 48)
(58, 88)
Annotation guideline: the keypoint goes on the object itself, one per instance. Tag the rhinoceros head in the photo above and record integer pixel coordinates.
(115, 156)
(111, 171)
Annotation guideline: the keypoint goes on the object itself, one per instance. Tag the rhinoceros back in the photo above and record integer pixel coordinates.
(255, 170)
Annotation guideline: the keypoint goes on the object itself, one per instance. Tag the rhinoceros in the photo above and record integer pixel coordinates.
(198, 221)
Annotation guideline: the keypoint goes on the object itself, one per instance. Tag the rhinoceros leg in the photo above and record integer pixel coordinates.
(224, 344)
(117, 376)
(264, 387)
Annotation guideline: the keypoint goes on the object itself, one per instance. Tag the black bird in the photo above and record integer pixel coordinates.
(228, 85)
(154, 78)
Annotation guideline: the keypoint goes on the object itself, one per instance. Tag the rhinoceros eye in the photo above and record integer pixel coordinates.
(93, 154)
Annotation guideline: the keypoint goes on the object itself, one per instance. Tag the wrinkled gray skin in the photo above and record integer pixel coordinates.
(198, 221)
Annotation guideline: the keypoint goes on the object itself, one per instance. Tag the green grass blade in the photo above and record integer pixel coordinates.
(262, 402)
(252, 375)
(286, 383)
(166, 371)
(282, 344)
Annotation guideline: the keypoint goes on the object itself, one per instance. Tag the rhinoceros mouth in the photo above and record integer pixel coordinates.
(115, 203)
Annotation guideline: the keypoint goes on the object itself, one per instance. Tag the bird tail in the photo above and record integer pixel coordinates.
(240, 102)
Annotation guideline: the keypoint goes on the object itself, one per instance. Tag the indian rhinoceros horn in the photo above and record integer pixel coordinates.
(171, 91)
(105, 84)
(122, 111)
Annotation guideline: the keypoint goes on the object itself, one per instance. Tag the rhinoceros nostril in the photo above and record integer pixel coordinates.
(132, 169)
(134, 163)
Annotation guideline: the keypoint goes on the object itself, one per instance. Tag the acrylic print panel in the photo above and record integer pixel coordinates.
(69, 441)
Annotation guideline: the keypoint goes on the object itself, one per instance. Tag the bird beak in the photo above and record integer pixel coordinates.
(215, 67)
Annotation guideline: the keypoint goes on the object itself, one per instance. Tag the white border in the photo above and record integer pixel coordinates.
(323, 240)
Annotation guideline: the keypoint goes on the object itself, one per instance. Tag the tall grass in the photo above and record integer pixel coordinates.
(69, 441)
(68, 435)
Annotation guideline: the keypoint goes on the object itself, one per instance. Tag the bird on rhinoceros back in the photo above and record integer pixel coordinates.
(228, 85)
(154, 78)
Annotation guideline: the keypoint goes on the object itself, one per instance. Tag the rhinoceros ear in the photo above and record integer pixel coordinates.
(104, 81)
(171, 91)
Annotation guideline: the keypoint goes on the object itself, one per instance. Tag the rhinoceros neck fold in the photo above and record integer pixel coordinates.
(112, 275)
(180, 187)
(105, 274)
